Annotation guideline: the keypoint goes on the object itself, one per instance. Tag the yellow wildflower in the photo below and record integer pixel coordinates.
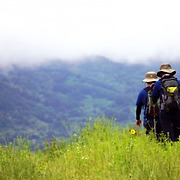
(133, 131)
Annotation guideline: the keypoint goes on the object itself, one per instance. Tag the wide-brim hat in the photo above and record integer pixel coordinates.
(166, 68)
(150, 77)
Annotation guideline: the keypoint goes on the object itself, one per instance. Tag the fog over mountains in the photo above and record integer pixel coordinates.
(133, 31)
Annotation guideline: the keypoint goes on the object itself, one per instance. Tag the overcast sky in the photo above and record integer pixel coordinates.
(122, 30)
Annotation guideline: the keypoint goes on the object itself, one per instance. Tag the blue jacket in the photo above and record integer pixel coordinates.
(141, 103)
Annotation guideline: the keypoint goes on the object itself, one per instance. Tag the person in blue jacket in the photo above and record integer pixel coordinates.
(170, 120)
(148, 123)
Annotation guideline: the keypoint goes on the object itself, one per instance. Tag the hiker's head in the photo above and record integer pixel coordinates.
(165, 68)
(150, 77)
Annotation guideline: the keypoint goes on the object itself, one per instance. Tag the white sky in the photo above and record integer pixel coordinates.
(130, 30)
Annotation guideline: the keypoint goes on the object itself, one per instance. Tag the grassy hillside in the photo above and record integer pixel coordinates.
(40, 102)
(101, 150)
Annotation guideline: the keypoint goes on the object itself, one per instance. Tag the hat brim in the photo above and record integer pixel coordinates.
(148, 80)
(169, 71)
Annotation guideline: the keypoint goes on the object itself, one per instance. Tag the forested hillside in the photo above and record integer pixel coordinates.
(40, 102)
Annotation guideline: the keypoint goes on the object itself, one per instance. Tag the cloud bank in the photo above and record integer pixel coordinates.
(133, 31)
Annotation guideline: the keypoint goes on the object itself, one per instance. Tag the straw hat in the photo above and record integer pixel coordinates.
(166, 68)
(150, 77)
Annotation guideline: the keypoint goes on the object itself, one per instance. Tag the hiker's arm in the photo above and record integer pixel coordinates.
(139, 105)
(138, 112)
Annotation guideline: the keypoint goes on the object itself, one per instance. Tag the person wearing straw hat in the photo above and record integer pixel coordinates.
(151, 121)
(167, 88)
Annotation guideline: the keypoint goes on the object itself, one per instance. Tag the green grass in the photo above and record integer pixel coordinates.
(101, 150)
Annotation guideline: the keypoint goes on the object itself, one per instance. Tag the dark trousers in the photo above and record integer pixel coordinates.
(150, 126)
(171, 125)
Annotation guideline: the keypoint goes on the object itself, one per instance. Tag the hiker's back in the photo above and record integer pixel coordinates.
(170, 94)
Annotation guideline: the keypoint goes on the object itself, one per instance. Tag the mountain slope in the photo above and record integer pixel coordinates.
(39, 102)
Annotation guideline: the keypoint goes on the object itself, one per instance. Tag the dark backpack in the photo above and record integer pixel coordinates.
(170, 95)
(150, 105)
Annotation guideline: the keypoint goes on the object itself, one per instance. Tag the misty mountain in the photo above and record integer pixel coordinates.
(41, 102)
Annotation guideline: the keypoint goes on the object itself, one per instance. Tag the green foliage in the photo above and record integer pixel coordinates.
(100, 150)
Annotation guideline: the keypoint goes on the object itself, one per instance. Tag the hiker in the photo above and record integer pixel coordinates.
(168, 89)
(144, 100)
